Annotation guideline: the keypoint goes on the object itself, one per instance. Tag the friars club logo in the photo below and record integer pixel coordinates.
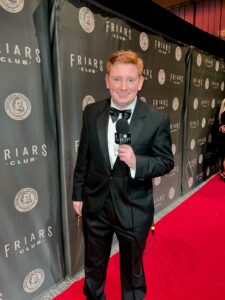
(157, 180)
(86, 19)
(171, 193)
(33, 280)
(29, 242)
(162, 47)
(26, 199)
(17, 106)
(178, 53)
(18, 54)
(118, 31)
(86, 64)
(87, 100)
(199, 60)
(21, 155)
(161, 76)
(13, 6)
(144, 41)
(160, 104)
(175, 103)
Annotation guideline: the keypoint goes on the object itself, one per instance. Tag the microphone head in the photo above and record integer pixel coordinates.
(122, 126)
(122, 136)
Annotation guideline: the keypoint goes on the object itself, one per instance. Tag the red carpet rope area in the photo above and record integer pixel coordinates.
(187, 258)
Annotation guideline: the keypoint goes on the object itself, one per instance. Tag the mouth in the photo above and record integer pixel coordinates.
(123, 95)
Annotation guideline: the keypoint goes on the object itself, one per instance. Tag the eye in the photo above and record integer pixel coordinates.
(131, 80)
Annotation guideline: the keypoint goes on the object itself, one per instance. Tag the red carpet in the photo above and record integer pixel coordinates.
(187, 259)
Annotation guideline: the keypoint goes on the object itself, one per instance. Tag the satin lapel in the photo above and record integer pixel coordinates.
(137, 121)
(102, 127)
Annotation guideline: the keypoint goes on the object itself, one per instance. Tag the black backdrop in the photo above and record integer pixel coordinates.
(31, 230)
(45, 83)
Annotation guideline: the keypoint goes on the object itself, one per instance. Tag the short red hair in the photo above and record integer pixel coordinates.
(125, 57)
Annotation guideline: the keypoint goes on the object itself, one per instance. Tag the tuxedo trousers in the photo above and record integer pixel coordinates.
(98, 235)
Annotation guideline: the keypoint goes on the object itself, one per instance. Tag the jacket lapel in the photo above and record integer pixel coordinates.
(137, 121)
(102, 127)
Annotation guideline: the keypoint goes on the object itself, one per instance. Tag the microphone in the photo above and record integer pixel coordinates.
(122, 136)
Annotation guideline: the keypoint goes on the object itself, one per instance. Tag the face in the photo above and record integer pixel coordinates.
(123, 83)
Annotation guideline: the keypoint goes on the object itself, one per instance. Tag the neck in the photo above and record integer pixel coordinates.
(128, 106)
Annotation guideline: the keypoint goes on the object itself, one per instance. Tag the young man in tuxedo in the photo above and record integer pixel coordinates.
(112, 186)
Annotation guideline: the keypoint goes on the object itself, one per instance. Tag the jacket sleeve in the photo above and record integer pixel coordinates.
(82, 163)
(160, 159)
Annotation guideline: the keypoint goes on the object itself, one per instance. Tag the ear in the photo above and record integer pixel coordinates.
(107, 81)
(141, 82)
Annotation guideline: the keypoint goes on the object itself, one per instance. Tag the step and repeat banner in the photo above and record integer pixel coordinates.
(205, 93)
(30, 232)
(46, 81)
(164, 90)
(85, 35)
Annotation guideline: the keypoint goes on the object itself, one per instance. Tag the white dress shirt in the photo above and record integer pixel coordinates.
(112, 146)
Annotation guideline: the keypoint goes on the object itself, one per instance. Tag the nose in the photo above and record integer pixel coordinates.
(123, 85)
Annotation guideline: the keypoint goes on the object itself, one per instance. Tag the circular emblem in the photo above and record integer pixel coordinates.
(17, 106)
(13, 6)
(157, 180)
(222, 86)
(87, 100)
(213, 103)
(33, 280)
(192, 144)
(199, 60)
(161, 76)
(178, 53)
(171, 193)
(26, 199)
(190, 181)
(195, 103)
(207, 83)
(175, 104)
(142, 98)
(174, 149)
(217, 66)
(200, 159)
(86, 19)
(143, 40)
(203, 122)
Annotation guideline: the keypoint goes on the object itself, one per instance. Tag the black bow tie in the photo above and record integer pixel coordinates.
(114, 113)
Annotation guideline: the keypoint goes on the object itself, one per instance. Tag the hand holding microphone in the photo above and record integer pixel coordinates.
(126, 154)
(123, 138)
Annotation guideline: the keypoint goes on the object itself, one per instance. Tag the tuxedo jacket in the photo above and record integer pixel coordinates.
(94, 181)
